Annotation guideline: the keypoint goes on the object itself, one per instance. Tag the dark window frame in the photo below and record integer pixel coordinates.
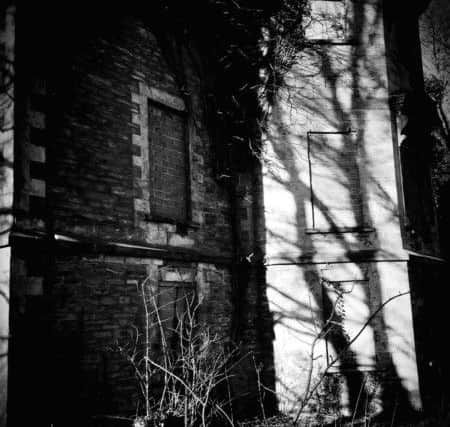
(361, 227)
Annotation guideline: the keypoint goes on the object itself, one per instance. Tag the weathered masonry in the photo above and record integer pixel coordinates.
(114, 184)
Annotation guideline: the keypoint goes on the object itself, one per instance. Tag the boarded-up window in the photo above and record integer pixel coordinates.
(176, 304)
(346, 311)
(336, 199)
(327, 21)
(168, 163)
(172, 315)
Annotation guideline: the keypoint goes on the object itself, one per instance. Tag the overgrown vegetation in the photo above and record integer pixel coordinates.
(185, 373)
(435, 32)
(242, 51)
(183, 370)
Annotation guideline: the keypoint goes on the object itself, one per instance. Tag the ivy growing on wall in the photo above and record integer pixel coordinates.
(242, 48)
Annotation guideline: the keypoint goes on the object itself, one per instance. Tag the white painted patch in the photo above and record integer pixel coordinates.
(177, 240)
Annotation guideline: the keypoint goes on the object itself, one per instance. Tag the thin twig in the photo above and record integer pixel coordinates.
(341, 353)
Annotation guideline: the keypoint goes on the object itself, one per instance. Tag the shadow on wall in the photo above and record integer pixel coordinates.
(332, 208)
(6, 187)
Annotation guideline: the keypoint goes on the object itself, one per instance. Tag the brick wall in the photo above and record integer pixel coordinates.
(85, 156)
(77, 309)
(84, 170)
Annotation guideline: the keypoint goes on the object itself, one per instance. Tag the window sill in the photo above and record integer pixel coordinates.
(339, 230)
(332, 42)
(337, 369)
(180, 225)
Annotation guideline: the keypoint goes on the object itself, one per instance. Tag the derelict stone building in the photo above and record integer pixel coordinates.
(317, 262)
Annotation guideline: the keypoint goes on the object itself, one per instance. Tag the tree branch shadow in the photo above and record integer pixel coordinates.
(394, 396)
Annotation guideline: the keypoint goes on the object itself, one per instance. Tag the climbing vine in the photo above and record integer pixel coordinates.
(243, 49)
